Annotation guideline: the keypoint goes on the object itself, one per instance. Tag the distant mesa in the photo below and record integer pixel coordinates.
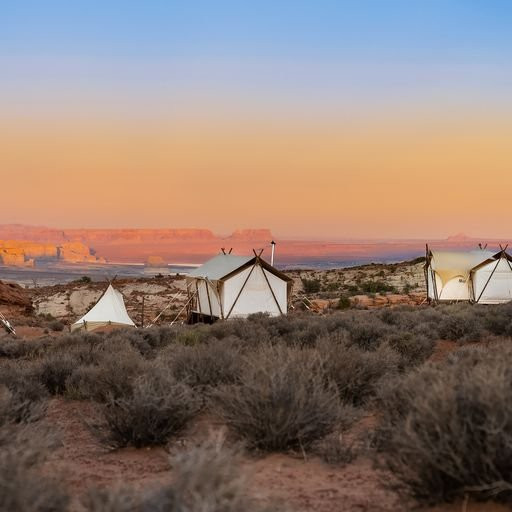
(257, 235)
(459, 237)
(155, 262)
(24, 253)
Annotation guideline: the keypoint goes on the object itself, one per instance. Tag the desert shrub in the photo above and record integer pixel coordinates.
(376, 287)
(13, 348)
(145, 341)
(413, 349)
(282, 401)
(252, 331)
(56, 325)
(23, 398)
(155, 409)
(207, 365)
(446, 430)
(54, 370)
(110, 500)
(343, 302)
(311, 285)
(461, 325)
(192, 335)
(367, 331)
(206, 478)
(22, 486)
(422, 321)
(111, 377)
(498, 320)
(357, 373)
(335, 450)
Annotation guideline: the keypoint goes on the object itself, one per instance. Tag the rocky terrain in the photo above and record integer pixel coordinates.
(366, 286)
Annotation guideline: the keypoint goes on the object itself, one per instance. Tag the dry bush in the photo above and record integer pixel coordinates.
(418, 321)
(498, 319)
(22, 487)
(461, 324)
(206, 365)
(56, 326)
(252, 332)
(414, 349)
(207, 478)
(366, 330)
(157, 408)
(14, 348)
(110, 500)
(23, 396)
(145, 341)
(357, 373)
(111, 377)
(335, 450)
(447, 430)
(54, 370)
(282, 401)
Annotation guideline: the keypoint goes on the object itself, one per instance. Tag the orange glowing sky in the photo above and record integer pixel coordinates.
(334, 147)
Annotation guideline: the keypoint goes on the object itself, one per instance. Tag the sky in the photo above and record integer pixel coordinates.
(333, 119)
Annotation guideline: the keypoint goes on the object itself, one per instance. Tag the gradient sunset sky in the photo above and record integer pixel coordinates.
(362, 118)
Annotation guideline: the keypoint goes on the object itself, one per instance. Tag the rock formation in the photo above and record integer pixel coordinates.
(23, 253)
(14, 295)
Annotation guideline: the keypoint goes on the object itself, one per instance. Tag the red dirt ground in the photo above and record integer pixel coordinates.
(308, 485)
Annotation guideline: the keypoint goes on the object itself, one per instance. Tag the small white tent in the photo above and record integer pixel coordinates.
(448, 274)
(108, 311)
(229, 286)
(492, 279)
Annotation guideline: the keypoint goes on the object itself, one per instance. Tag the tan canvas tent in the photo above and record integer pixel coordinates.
(478, 276)
(448, 274)
(108, 311)
(230, 286)
(492, 279)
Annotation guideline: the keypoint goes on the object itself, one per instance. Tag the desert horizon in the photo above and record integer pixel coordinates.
(26, 246)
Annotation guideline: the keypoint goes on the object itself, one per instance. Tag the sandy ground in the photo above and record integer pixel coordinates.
(298, 483)
(307, 485)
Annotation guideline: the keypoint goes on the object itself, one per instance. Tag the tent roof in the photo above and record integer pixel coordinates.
(493, 258)
(220, 266)
(223, 265)
(452, 264)
(109, 309)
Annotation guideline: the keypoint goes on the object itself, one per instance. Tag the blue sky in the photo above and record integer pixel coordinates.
(302, 55)
(281, 28)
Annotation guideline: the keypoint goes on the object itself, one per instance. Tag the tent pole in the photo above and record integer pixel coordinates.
(199, 301)
(270, 286)
(208, 295)
(425, 270)
(240, 292)
(483, 289)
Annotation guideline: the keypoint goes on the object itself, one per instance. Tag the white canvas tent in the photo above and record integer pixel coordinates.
(229, 286)
(492, 279)
(108, 311)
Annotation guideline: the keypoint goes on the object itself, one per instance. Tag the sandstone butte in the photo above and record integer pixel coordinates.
(23, 253)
